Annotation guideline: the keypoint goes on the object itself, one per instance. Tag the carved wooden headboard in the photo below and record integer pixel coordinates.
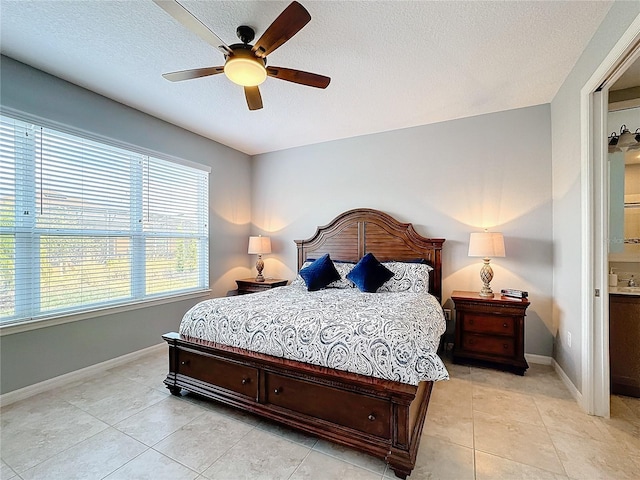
(355, 233)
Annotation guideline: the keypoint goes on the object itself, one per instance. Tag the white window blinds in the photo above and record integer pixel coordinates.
(85, 225)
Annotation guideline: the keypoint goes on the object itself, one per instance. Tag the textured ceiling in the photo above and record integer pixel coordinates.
(393, 64)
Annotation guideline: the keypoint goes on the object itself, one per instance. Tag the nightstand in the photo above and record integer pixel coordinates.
(490, 331)
(249, 285)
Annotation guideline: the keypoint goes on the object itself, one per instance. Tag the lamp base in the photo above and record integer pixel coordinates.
(486, 292)
(259, 268)
(486, 275)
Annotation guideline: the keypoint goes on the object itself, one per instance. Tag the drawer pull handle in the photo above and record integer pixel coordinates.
(505, 346)
(505, 325)
(245, 381)
(371, 417)
(184, 362)
(470, 322)
(277, 390)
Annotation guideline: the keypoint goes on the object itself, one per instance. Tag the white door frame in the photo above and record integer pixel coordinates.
(595, 220)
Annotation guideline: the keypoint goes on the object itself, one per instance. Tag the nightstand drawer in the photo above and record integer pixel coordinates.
(488, 324)
(490, 345)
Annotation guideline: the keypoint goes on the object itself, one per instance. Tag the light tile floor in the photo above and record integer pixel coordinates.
(482, 424)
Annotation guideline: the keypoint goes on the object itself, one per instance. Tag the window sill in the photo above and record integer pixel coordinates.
(35, 324)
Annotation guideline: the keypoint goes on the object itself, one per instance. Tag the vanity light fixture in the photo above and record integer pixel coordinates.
(625, 141)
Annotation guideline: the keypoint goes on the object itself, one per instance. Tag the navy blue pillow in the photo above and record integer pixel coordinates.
(369, 274)
(320, 273)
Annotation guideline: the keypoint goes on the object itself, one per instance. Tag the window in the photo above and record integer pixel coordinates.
(84, 225)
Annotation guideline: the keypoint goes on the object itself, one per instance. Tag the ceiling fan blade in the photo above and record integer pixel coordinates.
(288, 23)
(254, 99)
(193, 73)
(186, 18)
(298, 76)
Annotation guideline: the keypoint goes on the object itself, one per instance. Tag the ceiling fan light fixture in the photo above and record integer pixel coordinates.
(245, 64)
(245, 69)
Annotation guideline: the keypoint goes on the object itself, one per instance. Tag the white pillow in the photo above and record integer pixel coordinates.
(407, 277)
(343, 269)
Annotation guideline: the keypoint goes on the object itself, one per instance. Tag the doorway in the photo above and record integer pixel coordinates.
(595, 216)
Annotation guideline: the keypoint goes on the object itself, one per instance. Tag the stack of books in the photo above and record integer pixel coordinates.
(511, 292)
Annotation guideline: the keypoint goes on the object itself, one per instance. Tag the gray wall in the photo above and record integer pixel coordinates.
(567, 202)
(34, 356)
(448, 179)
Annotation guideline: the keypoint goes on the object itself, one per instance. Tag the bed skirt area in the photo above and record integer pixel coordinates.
(379, 417)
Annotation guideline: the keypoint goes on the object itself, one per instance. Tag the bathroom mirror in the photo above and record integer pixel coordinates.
(624, 175)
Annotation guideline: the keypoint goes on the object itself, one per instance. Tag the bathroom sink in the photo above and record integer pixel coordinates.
(629, 289)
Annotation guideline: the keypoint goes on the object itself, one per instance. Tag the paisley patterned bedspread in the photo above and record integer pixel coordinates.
(392, 336)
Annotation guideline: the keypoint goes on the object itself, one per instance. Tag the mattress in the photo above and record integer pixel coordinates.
(388, 335)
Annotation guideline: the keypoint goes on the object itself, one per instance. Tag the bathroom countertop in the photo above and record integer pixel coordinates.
(623, 290)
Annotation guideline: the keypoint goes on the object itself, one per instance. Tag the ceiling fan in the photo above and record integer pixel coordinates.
(246, 64)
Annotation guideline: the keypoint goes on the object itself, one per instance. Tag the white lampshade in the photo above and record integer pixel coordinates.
(259, 245)
(486, 245)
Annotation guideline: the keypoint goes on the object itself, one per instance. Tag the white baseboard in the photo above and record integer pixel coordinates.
(538, 359)
(567, 382)
(82, 374)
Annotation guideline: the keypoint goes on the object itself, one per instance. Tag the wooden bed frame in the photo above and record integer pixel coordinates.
(380, 417)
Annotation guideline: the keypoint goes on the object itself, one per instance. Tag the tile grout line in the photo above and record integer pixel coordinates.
(555, 449)
(473, 427)
(301, 462)
(127, 462)
(68, 448)
(347, 461)
(533, 397)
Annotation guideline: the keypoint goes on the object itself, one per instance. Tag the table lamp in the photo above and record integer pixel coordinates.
(259, 245)
(486, 244)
